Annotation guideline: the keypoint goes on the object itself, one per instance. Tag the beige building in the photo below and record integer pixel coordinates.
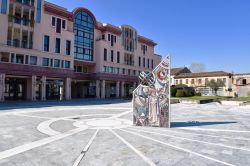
(198, 81)
(241, 84)
(48, 52)
(178, 71)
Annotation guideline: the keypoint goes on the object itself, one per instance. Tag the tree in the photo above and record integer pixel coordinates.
(215, 85)
(197, 67)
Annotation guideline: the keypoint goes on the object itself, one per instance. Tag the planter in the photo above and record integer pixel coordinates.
(188, 101)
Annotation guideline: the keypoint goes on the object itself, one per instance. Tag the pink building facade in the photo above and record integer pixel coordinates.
(47, 52)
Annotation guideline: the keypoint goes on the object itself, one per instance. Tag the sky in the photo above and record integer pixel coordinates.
(215, 33)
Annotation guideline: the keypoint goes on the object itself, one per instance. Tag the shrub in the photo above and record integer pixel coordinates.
(248, 93)
(189, 91)
(198, 94)
(173, 91)
(180, 93)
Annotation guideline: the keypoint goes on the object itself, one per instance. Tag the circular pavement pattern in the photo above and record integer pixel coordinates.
(209, 134)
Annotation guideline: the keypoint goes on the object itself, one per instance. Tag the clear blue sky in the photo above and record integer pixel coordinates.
(212, 32)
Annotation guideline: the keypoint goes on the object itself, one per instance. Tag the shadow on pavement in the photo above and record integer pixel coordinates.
(40, 104)
(197, 123)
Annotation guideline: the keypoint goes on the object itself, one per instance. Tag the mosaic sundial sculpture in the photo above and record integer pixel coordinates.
(151, 99)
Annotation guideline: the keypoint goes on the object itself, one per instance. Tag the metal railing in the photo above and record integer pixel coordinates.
(21, 21)
(20, 44)
(26, 2)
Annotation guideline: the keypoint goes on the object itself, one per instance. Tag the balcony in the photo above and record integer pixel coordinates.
(26, 2)
(20, 44)
(21, 21)
(130, 63)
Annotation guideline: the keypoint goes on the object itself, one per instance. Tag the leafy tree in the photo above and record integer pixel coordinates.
(215, 85)
(173, 91)
(197, 67)
(248, 93)
(180, 93)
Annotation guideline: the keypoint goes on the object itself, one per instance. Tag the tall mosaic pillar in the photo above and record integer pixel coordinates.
(151, 99)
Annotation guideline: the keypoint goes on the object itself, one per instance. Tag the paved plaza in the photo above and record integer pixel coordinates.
(100, 133)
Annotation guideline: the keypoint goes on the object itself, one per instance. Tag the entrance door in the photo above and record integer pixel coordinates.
(54, 90)
(15, 89)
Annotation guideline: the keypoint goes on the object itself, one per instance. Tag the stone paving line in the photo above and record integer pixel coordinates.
(115, 122)
(176, 147)
(44, 127)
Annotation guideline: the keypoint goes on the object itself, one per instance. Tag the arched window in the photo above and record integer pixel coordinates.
(84, 36)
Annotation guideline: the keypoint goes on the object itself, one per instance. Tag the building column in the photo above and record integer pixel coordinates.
(103, 89)
(117, 89)
(97, 89)
(33, 88)
(2, 87)
(67, 89)
(122, 89)
(43, 88)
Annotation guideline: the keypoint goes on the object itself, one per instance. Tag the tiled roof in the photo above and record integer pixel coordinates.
(203, 74)
(179, 70)
(242, 74)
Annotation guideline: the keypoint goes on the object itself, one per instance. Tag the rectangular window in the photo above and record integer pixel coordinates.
(19, 59)
(53, 21)
(26, 59)
(62, 63)
(148, 63)
(105, 54)
(64, 24)
(134, 72)
(139, 61)
(103, 36)
(108, 37)
(38, 11)
(67, 64)
(200, 81)
(4, 7)
(46, 43)
(79, 69)
(129, 71)
(56, 63)
(112, 40)
(118, 57)
(244, 82)
(58, 25)
(192, 81)
(152, 64)
(33, 60)
(186, 81)
(123, 71)
(68, 46)
(12, 58)
(206, 81)
(45, 61)
(112, 56)
(144, 62)
(51, 62)
(58, 45)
